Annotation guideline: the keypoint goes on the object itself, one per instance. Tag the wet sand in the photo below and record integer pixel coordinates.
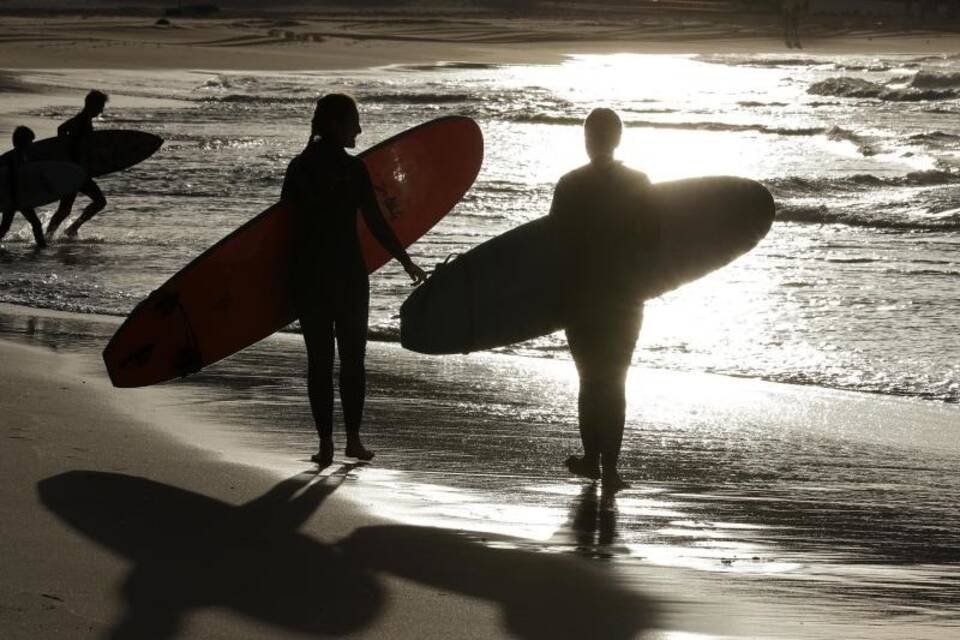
(757, 510)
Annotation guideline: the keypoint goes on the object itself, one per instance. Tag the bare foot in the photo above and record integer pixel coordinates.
(612, 482)
(358, 451)
(324, 457)
(581, 467)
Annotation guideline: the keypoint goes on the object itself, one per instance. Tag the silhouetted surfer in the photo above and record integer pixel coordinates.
(75, 130)
(599, 213)
(330, 280)
(22, 139)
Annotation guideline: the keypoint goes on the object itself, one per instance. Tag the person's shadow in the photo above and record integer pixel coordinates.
(190, 551)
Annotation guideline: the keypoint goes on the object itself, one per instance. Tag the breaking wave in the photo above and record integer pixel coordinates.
(935, 80)
(802, 186)
(546, 118)
(420, 98)
(844, 87)
(822, 214)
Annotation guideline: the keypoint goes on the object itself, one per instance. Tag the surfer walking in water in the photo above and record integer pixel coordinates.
(598, 212)
(330, 281)
(75, 131)
(22, 139)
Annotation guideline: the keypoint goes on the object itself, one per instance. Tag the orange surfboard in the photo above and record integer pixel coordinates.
(237, 291)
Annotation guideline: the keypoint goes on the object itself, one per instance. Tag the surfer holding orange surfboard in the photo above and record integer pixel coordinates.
(329, 281)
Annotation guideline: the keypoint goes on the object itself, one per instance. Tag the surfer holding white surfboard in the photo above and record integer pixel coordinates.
(330, 284)
(594, 209)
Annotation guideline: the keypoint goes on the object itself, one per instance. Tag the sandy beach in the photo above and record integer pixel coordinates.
(191, 510)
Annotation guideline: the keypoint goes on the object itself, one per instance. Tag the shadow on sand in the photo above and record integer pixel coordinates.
(190, 551)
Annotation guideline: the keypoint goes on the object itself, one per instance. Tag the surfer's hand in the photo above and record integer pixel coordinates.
(416, 274)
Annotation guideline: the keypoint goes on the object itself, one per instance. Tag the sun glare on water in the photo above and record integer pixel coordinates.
(649, 92)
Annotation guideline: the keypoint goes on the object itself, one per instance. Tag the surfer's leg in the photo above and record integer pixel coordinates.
(580, 339)
(61, 214)
(35, 225)
(317, 328)
(620, 339)
(352, 343)
(97, 204)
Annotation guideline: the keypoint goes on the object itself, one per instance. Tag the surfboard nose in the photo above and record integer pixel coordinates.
(755, 205)
(426, 324)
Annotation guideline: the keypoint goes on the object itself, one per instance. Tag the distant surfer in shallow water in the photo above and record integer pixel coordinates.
(599, 213)
(22, 139)
(75, 131)
(330, 281)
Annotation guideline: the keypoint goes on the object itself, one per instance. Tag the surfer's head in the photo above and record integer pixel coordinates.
(336, 119)
(601, 131)
(94, 103)
(22, 137)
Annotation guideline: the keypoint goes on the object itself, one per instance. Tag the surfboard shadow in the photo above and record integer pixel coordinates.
(190, 551)
(542, 596)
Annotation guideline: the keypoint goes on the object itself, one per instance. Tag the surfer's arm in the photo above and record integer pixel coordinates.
(646, 224)
(379, 227)
(382, 231)
(564, 215)
(556, 205)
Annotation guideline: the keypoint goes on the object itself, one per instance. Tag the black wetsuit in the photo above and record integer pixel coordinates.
(75, 130)
(18, 158)
(601, 217)
(330, 280)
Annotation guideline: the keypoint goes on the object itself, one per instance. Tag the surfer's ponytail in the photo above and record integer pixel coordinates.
(330, 109)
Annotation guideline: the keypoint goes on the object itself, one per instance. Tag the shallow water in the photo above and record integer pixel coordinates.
(857, 286)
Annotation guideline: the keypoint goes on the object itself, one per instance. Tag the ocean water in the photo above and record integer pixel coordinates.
(857, 287)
